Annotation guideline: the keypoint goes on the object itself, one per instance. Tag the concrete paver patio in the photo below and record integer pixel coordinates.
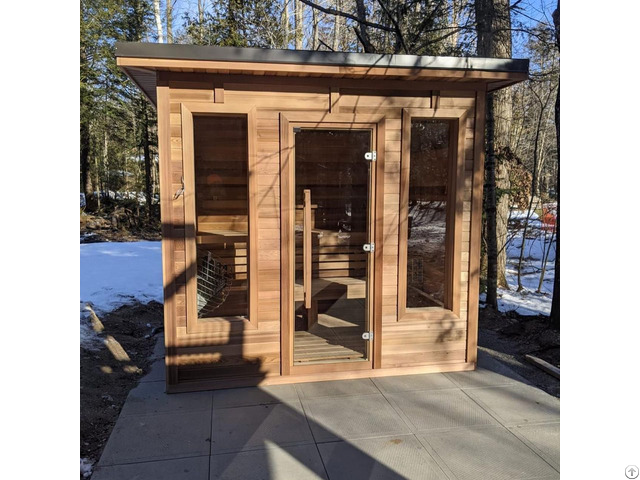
(487, 424)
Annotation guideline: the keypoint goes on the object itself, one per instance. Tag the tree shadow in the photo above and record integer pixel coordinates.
(264, 424)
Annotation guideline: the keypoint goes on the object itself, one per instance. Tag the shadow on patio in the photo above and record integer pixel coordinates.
(483, 424)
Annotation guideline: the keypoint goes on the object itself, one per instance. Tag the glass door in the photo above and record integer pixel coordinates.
(333, 235)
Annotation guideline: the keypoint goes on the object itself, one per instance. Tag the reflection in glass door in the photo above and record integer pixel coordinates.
(332, 225)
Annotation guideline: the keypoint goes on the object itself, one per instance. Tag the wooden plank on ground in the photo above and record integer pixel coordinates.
(544, 366)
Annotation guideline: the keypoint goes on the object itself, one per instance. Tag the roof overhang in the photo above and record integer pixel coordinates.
(142, 61)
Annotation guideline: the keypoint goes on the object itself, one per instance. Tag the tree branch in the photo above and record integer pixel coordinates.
(333, 11)
(322, 43)
(362, 41)
(395, 24)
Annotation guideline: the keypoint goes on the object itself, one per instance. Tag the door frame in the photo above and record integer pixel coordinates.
(289, 120)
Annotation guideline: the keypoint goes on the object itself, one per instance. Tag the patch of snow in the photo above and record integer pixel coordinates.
(522, 214)
(524, 302)
(86, 467)
(114, 274)
(538, 241)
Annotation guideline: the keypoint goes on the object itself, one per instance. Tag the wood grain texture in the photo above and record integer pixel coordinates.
(476, 229)
(226, 353)
(218, 223)
(287, 220)
(168, 276)
(378, 198)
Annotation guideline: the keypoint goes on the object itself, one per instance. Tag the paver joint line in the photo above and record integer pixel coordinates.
(322, 412)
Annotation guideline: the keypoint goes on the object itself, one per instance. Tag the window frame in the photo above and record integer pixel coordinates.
(307, 119)
(457, 118)
(217, 324)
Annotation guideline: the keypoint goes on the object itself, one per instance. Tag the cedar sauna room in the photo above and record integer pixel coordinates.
(321, 211)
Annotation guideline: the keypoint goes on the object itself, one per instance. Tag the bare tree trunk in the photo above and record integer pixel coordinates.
(493, 23)
(554, 316)
(299, 19)
(148, 181)
(156, 12)
(503, 111)
(338, 23)
(284, 21)
(455, 20)
(169, 21)
(503, 184)
(201, 21)
(362, 31)
(85, 164)
(534, 192)
(105, 167)
(314, 37)
(484, 14)
(545, 257)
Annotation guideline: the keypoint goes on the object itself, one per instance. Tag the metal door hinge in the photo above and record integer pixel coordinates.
(369, 247)
(371, 156)
(367, 336)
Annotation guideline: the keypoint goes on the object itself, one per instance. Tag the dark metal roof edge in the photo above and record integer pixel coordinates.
(265, 55)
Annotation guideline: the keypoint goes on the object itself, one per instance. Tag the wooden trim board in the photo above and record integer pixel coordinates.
(476, 228)
(458, 117)
(289, 120)
(188, 110)
(168, 273)
(214, 384)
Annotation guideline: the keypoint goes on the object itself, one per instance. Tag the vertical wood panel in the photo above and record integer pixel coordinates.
(405, 155)
(188, 167)
(379, 242)
(168, 277)
(286, 246)
(454, 280)
(188, 110)
(252, 254)
(476, 229)
(457, 220)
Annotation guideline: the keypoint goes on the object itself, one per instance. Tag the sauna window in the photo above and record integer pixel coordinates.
(429, 215)
(222, 215)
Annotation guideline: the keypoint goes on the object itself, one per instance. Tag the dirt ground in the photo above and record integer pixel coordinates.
(108, 373)
(508, 337)
(117, 225)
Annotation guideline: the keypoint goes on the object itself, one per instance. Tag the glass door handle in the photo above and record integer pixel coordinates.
(306, 248)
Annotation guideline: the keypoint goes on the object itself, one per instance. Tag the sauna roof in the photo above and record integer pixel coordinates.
(141, 61)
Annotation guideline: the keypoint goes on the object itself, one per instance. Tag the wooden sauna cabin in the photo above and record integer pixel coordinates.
(321, 211)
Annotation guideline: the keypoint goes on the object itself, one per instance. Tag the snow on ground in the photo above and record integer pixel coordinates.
(114, 274)
(527, 301)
